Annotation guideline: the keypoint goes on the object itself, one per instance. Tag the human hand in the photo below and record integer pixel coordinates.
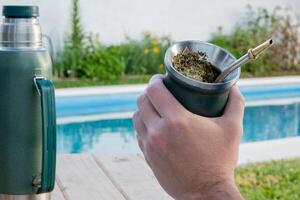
(192, 157)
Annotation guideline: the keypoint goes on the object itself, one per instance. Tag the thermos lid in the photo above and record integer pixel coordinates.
(20, 11)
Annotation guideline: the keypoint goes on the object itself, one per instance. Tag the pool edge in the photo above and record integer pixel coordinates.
(113, 89)
(263, 151)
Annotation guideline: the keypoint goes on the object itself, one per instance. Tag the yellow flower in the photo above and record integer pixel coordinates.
(146, 51)
(154, 42)
(146, 33)
(161, 65)
(155, 50)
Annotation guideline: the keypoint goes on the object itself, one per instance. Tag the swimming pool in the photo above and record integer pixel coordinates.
(102, 123)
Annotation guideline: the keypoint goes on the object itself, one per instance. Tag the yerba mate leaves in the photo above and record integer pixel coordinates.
(195, 65)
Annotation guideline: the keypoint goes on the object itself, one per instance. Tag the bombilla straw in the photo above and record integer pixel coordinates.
(252, 54)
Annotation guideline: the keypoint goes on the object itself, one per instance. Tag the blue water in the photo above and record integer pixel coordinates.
(117, 136)
(100, 104)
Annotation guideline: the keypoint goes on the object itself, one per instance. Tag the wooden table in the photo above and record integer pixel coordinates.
(96, 177)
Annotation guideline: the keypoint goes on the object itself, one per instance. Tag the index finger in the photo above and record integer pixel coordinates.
(162, 99)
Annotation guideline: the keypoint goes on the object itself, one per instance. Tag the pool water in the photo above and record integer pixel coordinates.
(126, 102)
(117, 136)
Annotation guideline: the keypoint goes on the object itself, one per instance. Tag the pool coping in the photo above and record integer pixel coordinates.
(113, 89)
(269, 150)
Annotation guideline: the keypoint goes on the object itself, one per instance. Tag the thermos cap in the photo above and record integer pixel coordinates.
(20, 11)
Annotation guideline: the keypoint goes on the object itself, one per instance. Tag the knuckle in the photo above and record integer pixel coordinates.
(141, 99)
(178, 123)
(155, 134)
(237, 127)
(241, 100)
(170, 122)
(136, 118)
(135, 115)
(230, 123)
(152, 131)
(154, 138)
(233, 127)
(153, 88)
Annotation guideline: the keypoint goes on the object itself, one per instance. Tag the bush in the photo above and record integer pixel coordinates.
(70, 58)
(102, 63)
(145, 56)
(256, 27)
(83, 56)
(96, 61)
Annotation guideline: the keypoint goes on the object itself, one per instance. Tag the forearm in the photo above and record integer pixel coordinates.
(216, 191)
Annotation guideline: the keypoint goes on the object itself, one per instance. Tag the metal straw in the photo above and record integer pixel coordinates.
(251, 55)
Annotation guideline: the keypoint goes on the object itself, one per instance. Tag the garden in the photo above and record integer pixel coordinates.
(85, 61)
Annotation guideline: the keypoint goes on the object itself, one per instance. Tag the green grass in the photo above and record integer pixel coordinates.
(274, 180)
(137, 79)
(66, 83)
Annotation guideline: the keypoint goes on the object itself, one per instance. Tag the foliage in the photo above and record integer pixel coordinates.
(274, 180)
(145, 56)
(70, 59)
(83, 56)
(100, 62)
(82, 82)
(257, 26)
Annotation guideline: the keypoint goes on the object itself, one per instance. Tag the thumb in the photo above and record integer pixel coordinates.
(235, 106)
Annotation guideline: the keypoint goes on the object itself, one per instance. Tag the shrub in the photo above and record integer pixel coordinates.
(70, 58)
(102, 63)
(256, 27)
(145, 56)
(83, 56)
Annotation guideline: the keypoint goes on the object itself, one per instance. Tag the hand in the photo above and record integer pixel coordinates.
(192, 157)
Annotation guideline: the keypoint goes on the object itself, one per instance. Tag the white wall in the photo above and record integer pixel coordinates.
(112, 19)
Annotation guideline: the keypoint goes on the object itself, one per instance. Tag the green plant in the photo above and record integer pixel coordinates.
(257, 26)
(70, 58)
(145, 56)
(100, 62)
(84, 57)
(271, 180)
(82, 82)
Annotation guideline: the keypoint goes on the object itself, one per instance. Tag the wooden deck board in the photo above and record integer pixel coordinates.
(132, 176)
(96, 177)
(57, 193)
(80, 178)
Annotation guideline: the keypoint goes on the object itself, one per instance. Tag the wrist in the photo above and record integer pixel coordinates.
(217, 190)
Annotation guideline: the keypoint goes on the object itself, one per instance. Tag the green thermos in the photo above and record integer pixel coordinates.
(27, 108)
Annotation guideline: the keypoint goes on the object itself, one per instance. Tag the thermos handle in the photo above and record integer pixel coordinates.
(46, 92)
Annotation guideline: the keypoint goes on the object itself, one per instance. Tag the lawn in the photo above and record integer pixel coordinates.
(274, 180)
(136, 79)
(128, 79)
